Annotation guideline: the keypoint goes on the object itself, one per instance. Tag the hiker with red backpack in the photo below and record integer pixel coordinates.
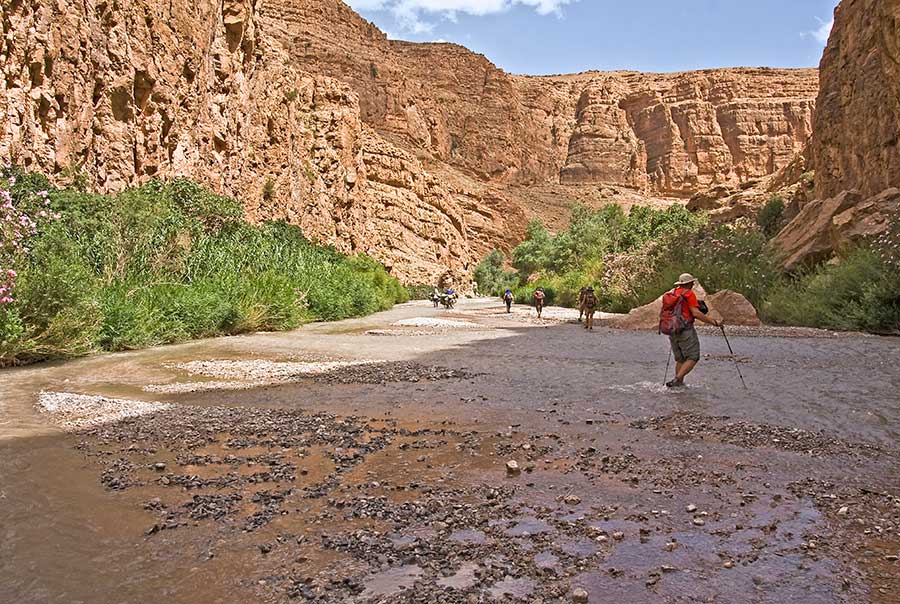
(680, 308)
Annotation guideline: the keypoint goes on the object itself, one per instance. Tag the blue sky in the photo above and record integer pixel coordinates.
(564, 36)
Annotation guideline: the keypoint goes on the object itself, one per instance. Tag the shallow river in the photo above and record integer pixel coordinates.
(629, 490)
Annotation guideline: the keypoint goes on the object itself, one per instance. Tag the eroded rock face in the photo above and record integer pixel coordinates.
(141, 90)
(855, 146)
(670, 134)
(407, 152)
(824, 226)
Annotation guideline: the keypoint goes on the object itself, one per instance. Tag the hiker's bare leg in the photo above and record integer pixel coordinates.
(682, 369)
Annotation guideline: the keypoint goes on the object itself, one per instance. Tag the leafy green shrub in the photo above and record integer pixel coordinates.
(770, 216)
(860, 291)
(163, 263)
(419, 292)
(491, 278)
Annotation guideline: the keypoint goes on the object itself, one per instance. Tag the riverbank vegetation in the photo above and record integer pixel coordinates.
(157, 264)
(630, 259)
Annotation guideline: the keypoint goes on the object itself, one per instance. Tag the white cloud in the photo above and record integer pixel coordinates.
(412, 15)
(824, 30)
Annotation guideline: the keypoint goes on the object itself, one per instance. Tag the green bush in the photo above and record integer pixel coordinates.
(591, 249)
(419, 292)
(769, 217)
(163, 263)
(491, 278)
(860, 291)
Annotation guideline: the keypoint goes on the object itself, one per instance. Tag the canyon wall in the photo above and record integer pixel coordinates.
(664, 134)
(137, 90)
(857, 127)
(417, 154)
(855, 147)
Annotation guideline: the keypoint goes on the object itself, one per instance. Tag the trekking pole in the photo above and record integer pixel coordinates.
(733, 358)
(668, 362)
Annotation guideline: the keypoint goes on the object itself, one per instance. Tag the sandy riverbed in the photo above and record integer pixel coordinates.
(328, 465)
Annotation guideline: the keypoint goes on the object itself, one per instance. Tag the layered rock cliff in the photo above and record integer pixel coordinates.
(857, 128)
(666, 134)
(855, 148)
(425, 156)
(136, 90)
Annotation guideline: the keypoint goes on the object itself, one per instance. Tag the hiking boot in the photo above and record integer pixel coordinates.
(676, 383)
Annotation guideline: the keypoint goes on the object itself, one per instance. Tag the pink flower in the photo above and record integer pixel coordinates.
(12, 273)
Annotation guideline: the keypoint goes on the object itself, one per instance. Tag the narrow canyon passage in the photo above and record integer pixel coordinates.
(370, 461)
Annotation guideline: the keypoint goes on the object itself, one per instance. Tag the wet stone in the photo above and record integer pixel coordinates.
(580, 596)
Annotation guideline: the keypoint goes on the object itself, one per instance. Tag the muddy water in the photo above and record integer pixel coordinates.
(767, 468)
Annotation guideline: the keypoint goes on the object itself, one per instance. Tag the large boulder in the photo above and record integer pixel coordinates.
(823, 226)
(647, 316)
(733, 308)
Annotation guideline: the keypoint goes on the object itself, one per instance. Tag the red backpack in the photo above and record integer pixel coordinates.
(671, 316)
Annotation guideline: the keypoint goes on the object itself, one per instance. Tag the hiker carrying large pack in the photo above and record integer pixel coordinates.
(588, 307)
(680, 308)
(538, 298)
(508, 300)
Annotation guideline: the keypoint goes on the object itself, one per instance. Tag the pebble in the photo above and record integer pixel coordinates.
(580, 596)
(691, 508)
(512, 468)
(572, 499)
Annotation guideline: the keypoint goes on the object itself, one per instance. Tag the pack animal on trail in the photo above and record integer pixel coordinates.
(449, 299)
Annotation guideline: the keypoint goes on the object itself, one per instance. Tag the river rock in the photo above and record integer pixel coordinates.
(647, 316)
(580, 596)
(733, 308)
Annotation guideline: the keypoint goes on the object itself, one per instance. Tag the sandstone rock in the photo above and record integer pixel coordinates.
(854, 148)
(308, 113)
(145, 89)
(647, 316)
(733, 308)
(512, 468)
(808, 236)
(711, 198)
(674, 133)
(857, 121)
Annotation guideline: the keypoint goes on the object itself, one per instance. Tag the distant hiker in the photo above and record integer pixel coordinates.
(680, 308)
(508, 300)
(538, 299)
(589, 307)
(581, 303)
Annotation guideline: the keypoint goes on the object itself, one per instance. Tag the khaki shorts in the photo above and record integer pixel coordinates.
(686, 345)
